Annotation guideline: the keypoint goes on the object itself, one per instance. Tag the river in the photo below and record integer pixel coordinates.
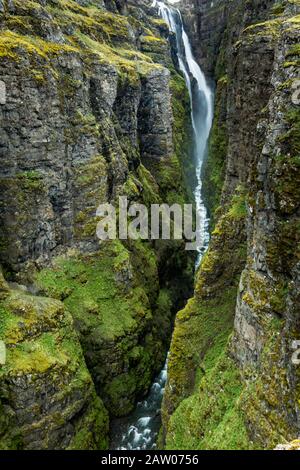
(139, 431)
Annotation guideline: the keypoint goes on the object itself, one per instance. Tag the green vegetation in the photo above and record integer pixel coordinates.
(176, 174)
(89, 287)
(210, 420)
(110, 295)
(44, 353)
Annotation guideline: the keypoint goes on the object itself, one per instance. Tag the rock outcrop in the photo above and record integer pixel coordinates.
(91, 109)
(233, 378)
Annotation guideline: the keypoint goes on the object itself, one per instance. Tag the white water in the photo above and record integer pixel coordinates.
(201, 109)
(139, 431)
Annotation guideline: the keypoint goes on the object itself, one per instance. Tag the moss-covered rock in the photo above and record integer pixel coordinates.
(241, 390)
(47, 397)
(110, 299)
(94, 79)
(201, 336)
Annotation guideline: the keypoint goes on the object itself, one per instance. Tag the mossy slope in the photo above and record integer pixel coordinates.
(44, 359)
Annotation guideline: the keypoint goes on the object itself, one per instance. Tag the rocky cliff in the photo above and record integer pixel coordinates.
(91, 108)
(233, 383)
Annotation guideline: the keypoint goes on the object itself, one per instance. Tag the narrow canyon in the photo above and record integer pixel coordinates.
(141, 344)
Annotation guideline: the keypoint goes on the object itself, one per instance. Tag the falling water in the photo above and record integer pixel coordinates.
(201, 109)
(139, 431)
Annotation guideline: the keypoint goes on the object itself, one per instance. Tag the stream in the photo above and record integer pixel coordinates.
(139, 430)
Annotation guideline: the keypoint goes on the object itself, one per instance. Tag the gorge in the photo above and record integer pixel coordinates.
(95, 103)
(140, 431)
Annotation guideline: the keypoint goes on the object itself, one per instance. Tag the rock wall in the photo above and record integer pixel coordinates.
(232, 381)
(91, 108)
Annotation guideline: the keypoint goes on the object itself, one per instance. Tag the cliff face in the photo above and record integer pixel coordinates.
(232, 381)
(91, 108)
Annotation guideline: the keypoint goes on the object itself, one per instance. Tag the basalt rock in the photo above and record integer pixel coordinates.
(47, 397)
(240, 390)
(91, 108)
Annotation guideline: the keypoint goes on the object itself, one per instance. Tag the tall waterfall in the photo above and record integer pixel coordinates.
(201, 106)
(139, 430)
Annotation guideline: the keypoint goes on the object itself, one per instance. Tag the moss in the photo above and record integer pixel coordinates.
(109, 295)
(10, 42)
(177, 173)
(281, 253)
(270, 28)
(291, 140)
(238, 209)
(120, 391)
(268, 400)
(210, 420)
(30, 180)
(92, 433)
(150, 189)
(278, 8)
(213, 171)
(89, 288)
(128, 62)
(122, 297)
(294, 51)
(182, 135)
(200, 338)
(43, 351)
(102, 24)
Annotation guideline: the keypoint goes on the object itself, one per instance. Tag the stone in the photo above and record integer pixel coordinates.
(2, 92)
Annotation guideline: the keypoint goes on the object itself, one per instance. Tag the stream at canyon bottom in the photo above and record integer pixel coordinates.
(139, 430)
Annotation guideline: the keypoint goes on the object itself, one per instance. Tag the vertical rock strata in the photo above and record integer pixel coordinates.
(91, 108)
(232, 382)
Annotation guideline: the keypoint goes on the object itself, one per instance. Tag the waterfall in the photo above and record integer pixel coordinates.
(201, 107)
(139, 430)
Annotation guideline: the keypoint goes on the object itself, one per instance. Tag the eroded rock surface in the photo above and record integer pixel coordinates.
(91, 109)
(233, 383)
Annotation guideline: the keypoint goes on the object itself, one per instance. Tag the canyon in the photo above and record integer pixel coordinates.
(94, 106)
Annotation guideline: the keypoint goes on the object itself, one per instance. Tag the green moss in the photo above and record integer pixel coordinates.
(278, 8)
(177, 173)
(92, 294)
(120, 391)
(183, 134)
(238, 209)
(150, 191)
(268, 400)
(213, 171)
(92, 433)
(200, 338)
(295, 50)
(109, 295)
(11, 42)
(291, 139)
(210, 420)
(43, 351)
(30, 180)
(270, 28)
